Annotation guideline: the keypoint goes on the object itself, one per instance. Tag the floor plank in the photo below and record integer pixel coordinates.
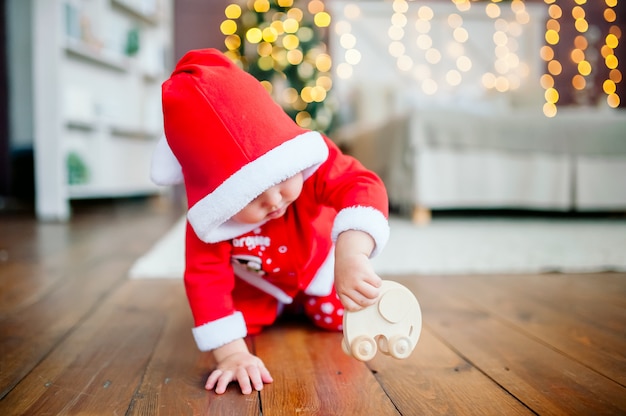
(97, 368)
(44, 267)
(578, 326)
(74, 268)
(576, 296)
(441, 383)
(78, 337)
(173, 383)
(544, 379)
(320, 379)
(30, 335)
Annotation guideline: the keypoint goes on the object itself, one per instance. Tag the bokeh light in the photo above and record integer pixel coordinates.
(281, 43)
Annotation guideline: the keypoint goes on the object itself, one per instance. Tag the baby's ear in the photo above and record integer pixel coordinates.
(165, 169)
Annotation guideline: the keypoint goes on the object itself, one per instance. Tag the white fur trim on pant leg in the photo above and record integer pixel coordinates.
(366, 219)
(214, 334)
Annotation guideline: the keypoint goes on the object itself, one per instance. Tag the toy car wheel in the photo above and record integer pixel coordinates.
(363, 348)
(400, 346)
(383, 345)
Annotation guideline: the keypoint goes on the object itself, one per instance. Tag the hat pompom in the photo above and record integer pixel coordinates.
(165, 169)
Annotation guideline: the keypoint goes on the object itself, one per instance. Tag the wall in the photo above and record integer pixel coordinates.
(19, 53)
(4, 140)
(197, 25)
(16, 143)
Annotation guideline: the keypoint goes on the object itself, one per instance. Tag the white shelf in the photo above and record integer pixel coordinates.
(88, 191)
(84, 125)
(103, 57)
(134, 133)
(94, 101)
(131, 7)
(152, 77)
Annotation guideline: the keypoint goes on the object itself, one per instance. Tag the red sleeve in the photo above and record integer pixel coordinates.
(343, 182)
(356, 193)
(209, 279)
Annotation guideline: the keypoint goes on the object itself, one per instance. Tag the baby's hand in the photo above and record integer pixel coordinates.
(239, 365)
(356, 283)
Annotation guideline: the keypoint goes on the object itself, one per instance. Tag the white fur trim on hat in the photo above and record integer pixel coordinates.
(303, 153)
(214, 334)
(165, 169)
(366, 219)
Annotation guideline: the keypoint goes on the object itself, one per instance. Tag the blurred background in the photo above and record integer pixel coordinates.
(456, 104)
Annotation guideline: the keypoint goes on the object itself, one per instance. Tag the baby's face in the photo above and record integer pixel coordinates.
(272, 203)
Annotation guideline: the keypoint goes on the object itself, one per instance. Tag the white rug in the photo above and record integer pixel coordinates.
(460, 246)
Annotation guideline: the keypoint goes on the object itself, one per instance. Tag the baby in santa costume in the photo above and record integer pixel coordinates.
(275, 212)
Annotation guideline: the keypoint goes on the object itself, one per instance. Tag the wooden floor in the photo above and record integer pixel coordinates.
(78, 337)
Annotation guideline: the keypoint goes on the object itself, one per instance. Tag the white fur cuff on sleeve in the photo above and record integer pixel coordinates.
(220, 332)
(366, 219)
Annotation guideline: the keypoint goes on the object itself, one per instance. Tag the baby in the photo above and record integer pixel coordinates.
(277, 214)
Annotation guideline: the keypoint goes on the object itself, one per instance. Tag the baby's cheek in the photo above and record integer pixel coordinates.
(251, 214)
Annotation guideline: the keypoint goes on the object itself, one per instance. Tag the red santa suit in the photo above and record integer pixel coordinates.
(228, 141)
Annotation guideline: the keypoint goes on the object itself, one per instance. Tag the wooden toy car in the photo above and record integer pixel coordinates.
(393, 325)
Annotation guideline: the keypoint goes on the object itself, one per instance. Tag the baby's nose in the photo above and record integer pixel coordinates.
(273, 197)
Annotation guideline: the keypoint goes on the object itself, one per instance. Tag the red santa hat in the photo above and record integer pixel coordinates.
(227, 140)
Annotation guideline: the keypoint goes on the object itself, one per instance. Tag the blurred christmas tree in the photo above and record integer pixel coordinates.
(280, 42)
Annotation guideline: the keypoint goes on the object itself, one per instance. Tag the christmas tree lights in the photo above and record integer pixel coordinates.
(281, 43)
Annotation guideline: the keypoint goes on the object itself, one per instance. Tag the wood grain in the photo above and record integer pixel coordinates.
(435, 380)
(529, 368)
(78, 337)
(314, 377)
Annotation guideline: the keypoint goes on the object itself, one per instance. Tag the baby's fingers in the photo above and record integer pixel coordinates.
(369, 292)
(259, 375)
(266, 377)
(212, 379)
(374, 280)
(354, 301)
(248, 378)
(220, 380)
(243, 378)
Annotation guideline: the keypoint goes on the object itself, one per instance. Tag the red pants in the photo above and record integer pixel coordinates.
(260, 309)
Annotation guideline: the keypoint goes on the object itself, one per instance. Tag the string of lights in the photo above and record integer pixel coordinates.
(586, 54)
(280, 42)
(611, 42)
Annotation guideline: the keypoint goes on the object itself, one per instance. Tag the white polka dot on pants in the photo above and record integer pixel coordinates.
(325, 311)
(327, 308)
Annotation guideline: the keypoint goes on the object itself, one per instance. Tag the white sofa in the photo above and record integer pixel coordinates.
(448, 159)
